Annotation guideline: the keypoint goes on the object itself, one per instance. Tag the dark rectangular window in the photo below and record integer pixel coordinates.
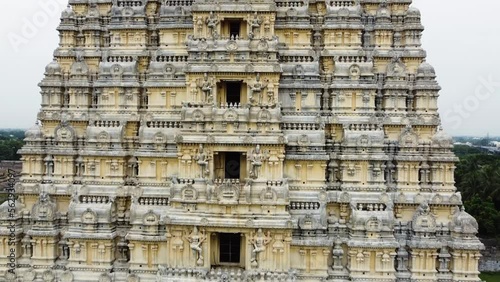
(230, 245)
(234, 29)
(233, 92)
(232, 166)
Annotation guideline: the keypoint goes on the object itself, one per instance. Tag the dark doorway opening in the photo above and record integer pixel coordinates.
(234, 29)
(232, 166)
(230, 247)
(233, 92)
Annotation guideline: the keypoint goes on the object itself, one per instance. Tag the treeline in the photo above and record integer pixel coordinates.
(10, 142)
(478, 179)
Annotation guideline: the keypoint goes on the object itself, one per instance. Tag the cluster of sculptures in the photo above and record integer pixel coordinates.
(257, 97)
(258, 240)
(256, 159)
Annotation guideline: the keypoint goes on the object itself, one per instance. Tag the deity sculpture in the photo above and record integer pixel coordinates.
(257, 89)
(256, 159)
(123, 250)
(333, 171)
(338, 254)
(202, 160)
(196, 239)
(212, 22)
(390, 171)
(259, 242)
(206, 88)
(210, 189)
(64, 249)
(256, 21)
(320, 121)
(271, 94)
(199, 25)
(271, 98)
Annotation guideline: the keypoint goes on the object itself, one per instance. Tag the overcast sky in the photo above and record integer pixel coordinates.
(462, 42)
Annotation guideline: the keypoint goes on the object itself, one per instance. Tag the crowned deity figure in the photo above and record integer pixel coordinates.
(196, 239)
(212, 21)
(207, 87)
(256, 159)
(202, 160)
(259, 242)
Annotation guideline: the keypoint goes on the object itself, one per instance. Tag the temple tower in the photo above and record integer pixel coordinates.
(224, 140)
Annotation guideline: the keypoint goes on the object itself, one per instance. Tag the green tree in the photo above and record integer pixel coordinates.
(9, 148)
(487, 216)
(478, 179)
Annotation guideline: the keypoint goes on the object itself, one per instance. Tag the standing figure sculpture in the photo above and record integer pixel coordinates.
(206, 88)
(196, 240)
(202, 160)
(390, 171)
(199, 26)
(271, 94)
(212, 23)
(257, 88)
(256, 21)
(259, 242)
(256, 159)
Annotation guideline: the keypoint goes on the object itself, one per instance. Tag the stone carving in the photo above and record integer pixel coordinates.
(338, 255)
(133, 278)
(48, 276)
(89, 217)
(212, 21)
(263, 45)
(257, 89)
(196, 239)
(179, 139)
(67, 276)
(63, 247)
(303, 140)
(390, 173)
(255, 22)
(230, 116)
(268, 195)
(463, 222)
(105, 277)
(408, 138)
(199, 26)
(444, 259)
(206, 87)
(228, 192)
(455, 199)
(249, 68)
(259, 242)
(423, 220)
(256, 159)
(189, 193)
(264, 116)
(202, 159)
(321, 109)
(232, 46)
(396, 68)
(151, 219)
(29, 275)
(44, 209)
(64, 132)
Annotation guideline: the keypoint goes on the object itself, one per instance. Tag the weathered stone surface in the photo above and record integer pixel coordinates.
(240, 141)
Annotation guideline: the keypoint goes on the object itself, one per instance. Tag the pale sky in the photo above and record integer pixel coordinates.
(462, 41)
